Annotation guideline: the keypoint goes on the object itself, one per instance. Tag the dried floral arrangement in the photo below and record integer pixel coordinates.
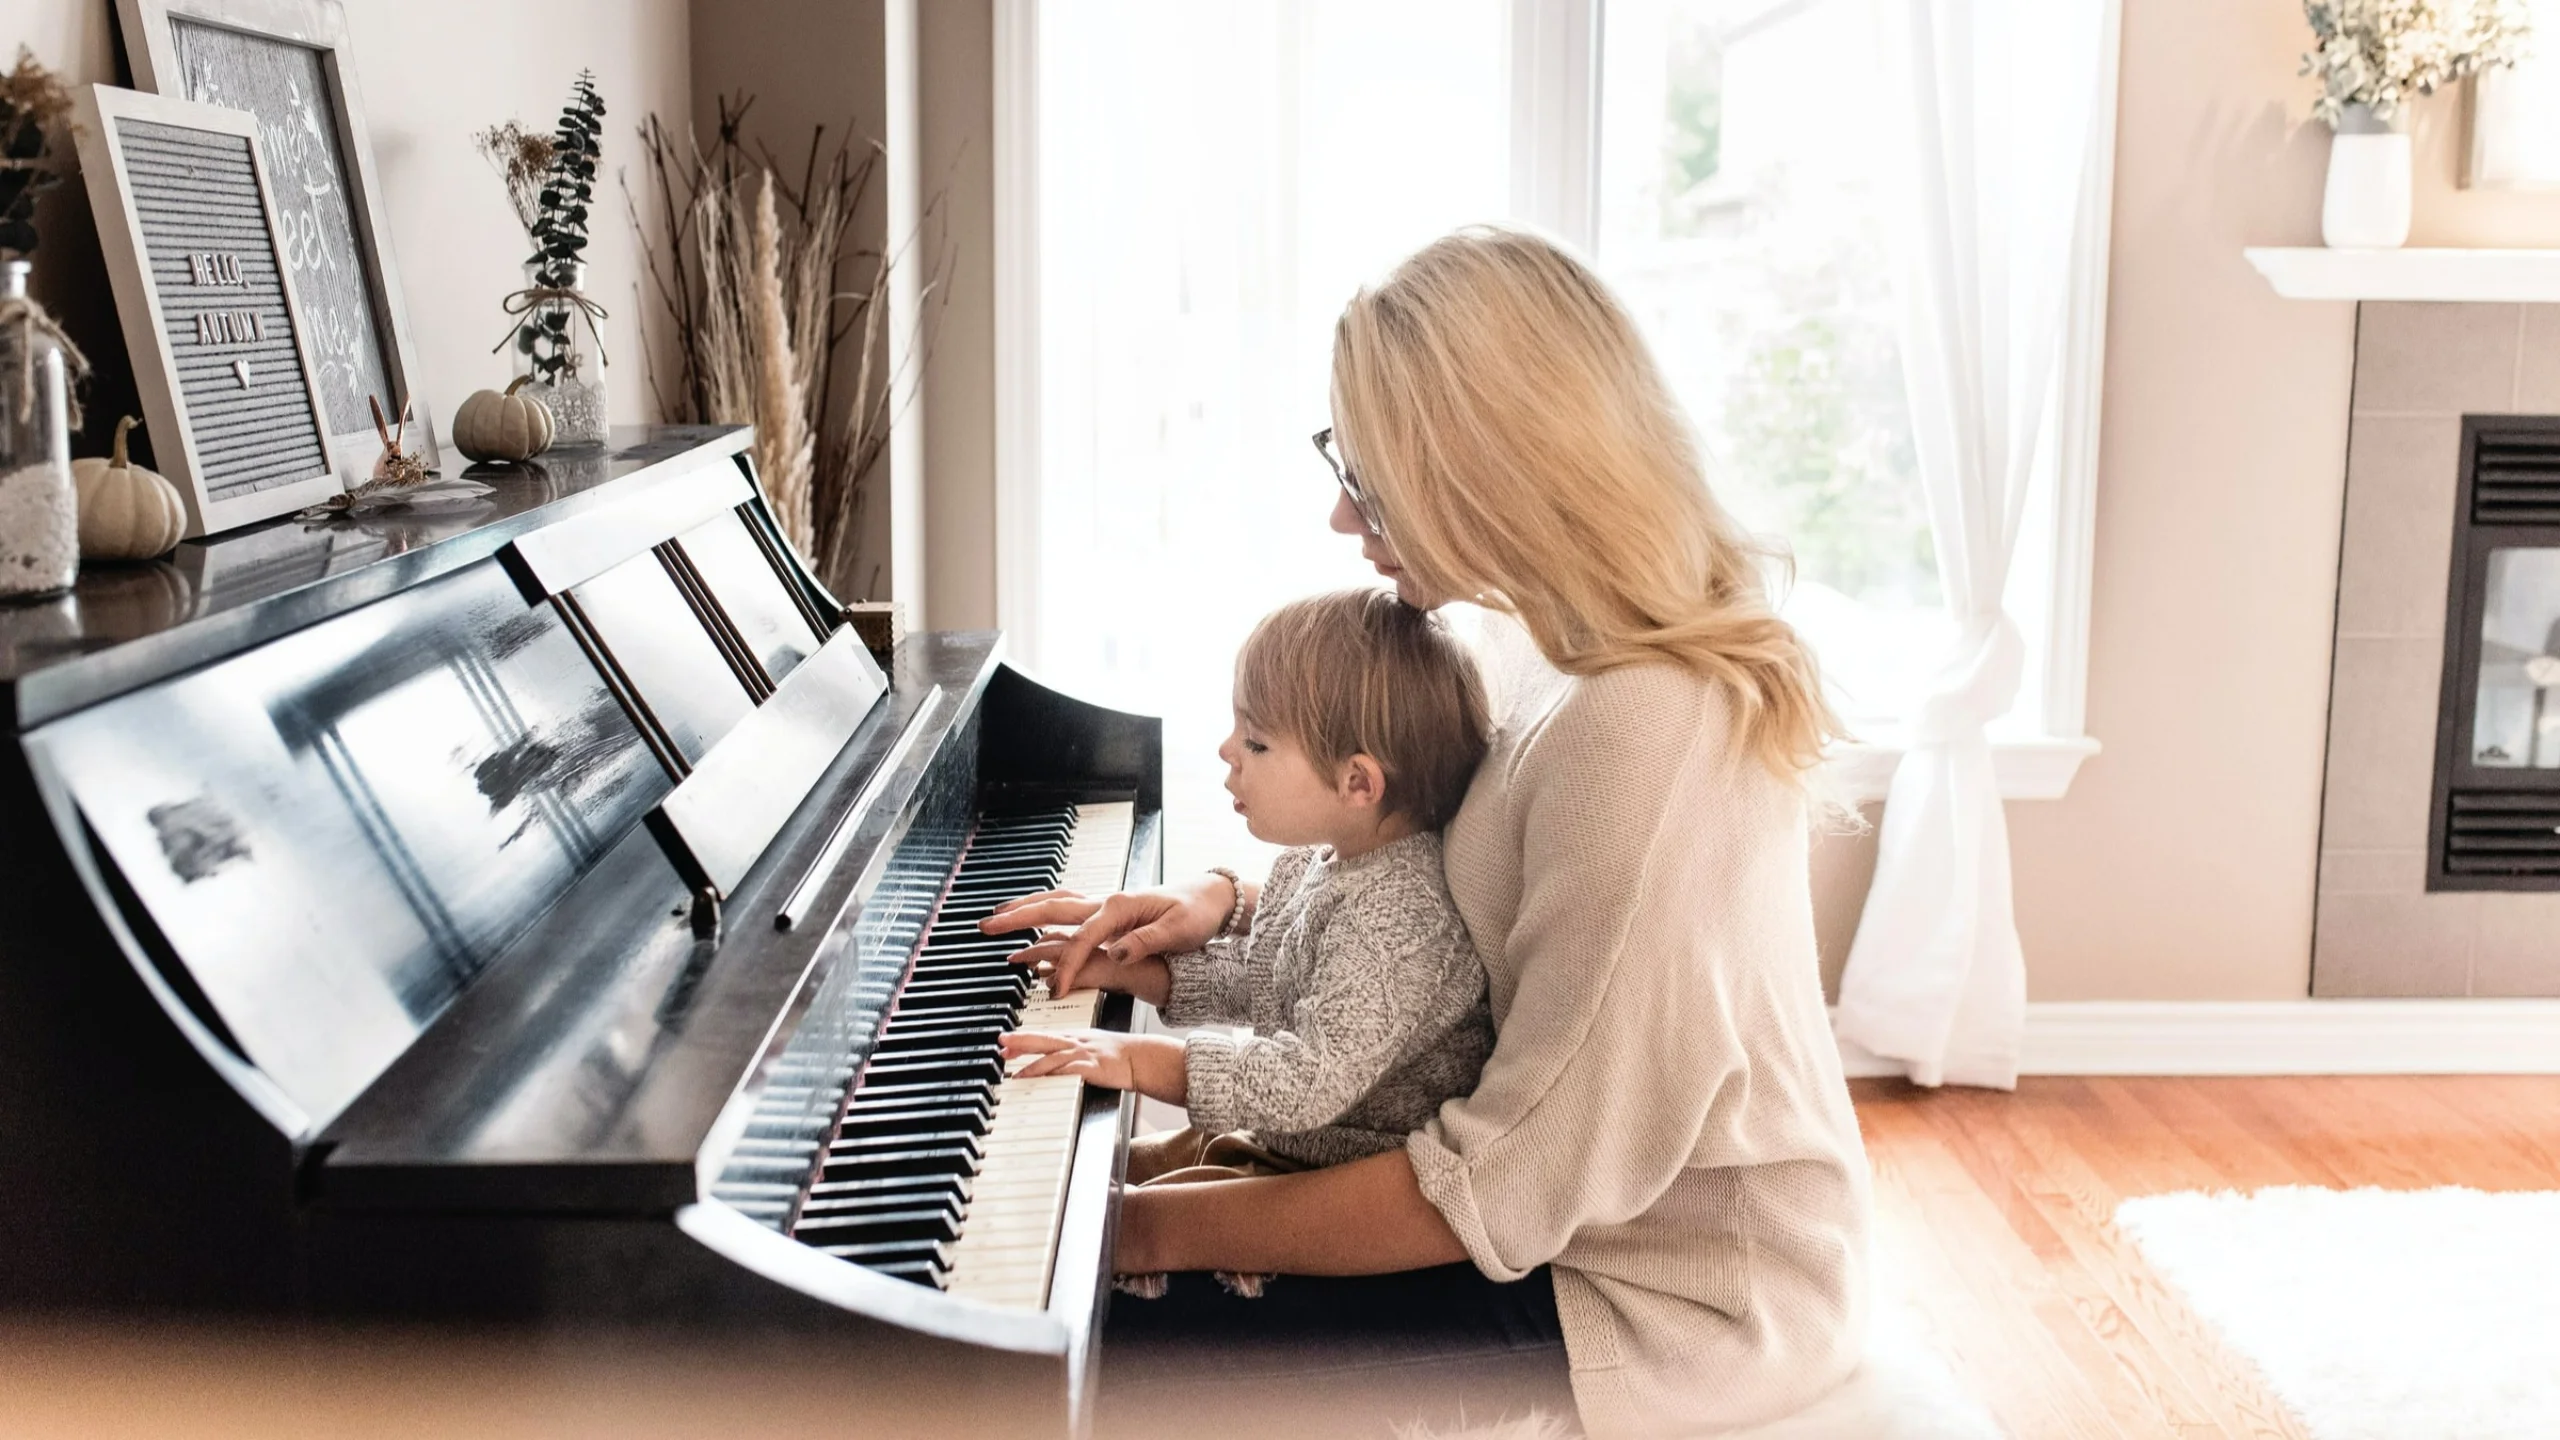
(33, 106)
(35, 109)
(2379, 53)
(748, 262)
(550, 182)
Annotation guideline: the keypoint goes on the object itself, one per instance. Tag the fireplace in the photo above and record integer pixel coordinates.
(2439, 873)
(2495, 819)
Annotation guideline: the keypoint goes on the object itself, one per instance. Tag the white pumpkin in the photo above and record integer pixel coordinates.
(505, 428)
(126, 512)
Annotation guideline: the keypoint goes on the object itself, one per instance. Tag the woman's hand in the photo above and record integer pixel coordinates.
(1152, 1065)
(1122, 931)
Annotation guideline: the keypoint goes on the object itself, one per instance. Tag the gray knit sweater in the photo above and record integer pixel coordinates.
(1366, 1000)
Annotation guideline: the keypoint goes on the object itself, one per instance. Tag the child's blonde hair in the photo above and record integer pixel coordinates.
(1522, 449)
(1359, 672)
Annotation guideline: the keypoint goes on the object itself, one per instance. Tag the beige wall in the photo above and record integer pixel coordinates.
(2181, 864)
(430, 75)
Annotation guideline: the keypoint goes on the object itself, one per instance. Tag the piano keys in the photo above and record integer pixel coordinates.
(549, 916)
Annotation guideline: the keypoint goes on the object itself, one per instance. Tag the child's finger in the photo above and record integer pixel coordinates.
(1032, 1042)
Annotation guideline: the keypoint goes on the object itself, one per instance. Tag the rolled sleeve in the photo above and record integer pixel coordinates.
(1208, 985)
(1443, 1176)
(1209, 1088)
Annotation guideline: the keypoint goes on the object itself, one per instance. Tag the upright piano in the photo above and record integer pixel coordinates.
(543, 911)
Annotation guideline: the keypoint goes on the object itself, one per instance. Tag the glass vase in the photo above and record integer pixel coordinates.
(556, 352)
(39, 509)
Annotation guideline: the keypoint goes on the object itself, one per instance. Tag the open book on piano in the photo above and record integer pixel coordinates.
(549, 913)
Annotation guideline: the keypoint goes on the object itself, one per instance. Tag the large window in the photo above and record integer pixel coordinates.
(1741, 216)
(1214, 180)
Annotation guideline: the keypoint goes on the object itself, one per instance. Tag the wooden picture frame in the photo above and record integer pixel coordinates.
(286, 62)
(187, 223)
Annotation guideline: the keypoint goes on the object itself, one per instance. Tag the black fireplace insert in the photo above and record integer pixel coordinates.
(2496, 818)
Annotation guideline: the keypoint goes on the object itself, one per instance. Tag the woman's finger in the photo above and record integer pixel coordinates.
(1019, 901)
(1033, 913)
(1038, 953)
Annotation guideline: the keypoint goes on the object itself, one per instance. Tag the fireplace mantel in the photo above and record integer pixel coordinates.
(2311, 272)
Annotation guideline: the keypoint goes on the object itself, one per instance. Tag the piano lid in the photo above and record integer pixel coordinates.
(125, 626)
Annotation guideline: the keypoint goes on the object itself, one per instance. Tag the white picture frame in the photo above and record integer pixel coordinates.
(288, 428)
(361, 335)
(2511, 117)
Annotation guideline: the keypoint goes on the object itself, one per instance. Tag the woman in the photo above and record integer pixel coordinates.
(1662, 1135)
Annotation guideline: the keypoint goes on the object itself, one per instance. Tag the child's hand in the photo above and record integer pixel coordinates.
(1152, 1065)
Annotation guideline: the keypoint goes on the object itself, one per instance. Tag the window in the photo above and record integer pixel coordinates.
(1740, 216)
(1213, 181)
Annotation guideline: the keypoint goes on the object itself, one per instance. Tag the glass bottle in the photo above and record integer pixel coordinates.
(555, 347)
(39, 509)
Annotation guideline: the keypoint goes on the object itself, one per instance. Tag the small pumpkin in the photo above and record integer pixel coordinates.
(126, 512)
(502, 427)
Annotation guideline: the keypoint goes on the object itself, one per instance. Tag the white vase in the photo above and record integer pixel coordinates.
(2366, 205)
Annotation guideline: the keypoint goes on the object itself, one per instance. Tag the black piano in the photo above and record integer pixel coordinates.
(544, 912)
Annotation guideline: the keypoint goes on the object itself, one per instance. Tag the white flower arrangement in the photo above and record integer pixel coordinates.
(2377, 53)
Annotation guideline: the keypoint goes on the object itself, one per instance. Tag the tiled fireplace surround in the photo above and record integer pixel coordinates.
(2419, 369)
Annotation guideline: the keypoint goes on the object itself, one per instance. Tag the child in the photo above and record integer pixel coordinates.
(1359, 721)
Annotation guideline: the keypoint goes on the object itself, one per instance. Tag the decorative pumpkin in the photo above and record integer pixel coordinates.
(506, 428)
(126, 512)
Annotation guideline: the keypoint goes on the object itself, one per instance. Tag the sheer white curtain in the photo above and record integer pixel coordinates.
(2000, 96)
(1214, 182)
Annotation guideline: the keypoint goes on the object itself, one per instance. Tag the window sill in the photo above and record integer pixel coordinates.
(2029, 768)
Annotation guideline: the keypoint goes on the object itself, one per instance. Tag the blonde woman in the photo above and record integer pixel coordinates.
(1660, 1164)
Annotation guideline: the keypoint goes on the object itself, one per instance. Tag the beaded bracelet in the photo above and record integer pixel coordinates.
(1235, 910)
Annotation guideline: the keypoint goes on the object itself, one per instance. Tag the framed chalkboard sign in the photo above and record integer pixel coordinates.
(189, 230)
(286, 62)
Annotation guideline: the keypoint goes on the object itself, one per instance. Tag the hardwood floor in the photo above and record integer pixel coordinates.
(1994, 1221)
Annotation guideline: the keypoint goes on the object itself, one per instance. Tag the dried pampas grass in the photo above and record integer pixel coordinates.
(749, 265)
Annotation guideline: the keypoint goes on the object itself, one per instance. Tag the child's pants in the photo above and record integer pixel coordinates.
(1189, 1155)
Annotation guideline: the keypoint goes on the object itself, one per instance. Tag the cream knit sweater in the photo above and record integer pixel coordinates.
(1663, 1116)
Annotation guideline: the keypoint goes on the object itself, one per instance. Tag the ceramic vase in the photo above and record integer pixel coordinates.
(2366, 204)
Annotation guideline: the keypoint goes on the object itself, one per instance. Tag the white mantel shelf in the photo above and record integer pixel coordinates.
(2317, 273)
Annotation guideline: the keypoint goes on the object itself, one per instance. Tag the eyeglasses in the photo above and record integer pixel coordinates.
(1360, 500)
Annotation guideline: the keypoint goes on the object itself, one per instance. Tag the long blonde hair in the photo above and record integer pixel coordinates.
(1521, 448)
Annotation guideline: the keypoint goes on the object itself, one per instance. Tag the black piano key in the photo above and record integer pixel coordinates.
(949, 1091)
(917, 1271)
(968, 997)
(886, 1164)
(882, 1202)
(936, 1038)
(880, 1255)
(983, 1069)
(854, 1149)
(861, 1187)
(930, 1119)
(923, 1223)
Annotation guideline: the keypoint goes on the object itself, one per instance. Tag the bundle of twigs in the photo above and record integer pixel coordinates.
(747, 263)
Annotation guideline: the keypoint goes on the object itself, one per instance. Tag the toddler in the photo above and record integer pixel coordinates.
(1358, 722)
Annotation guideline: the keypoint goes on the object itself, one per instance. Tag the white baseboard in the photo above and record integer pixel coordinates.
(2279, 1037)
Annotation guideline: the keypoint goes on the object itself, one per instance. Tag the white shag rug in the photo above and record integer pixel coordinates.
(2377, 1314)
(1902, 1391)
